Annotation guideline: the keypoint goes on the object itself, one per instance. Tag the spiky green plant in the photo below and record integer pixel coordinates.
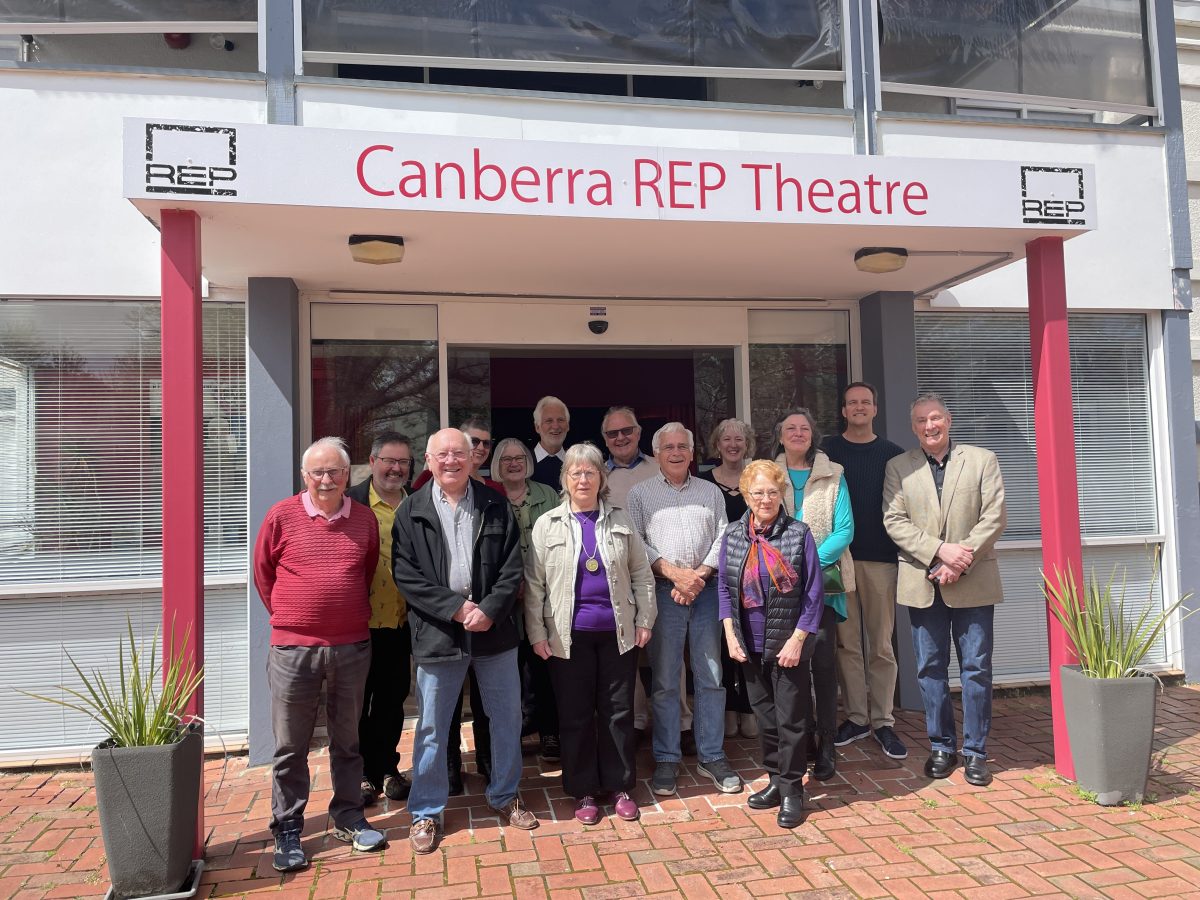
(144, 705)
(1108, 643)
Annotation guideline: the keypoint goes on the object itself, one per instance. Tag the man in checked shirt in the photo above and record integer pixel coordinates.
(681, 519)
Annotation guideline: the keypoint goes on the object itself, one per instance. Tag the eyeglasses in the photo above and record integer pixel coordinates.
(390, 461)
(671, 448)
(319, 474)
(584, 475)
(447, 455)
(509, 460)
(484, 442)
(758, 496)
(627, 431)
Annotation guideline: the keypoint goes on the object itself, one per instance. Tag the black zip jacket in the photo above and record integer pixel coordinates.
(421, 563)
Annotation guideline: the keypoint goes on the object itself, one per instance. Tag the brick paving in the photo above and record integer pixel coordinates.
(879, 829)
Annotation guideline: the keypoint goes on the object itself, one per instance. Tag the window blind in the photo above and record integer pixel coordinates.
(979, 363)
(80, 383)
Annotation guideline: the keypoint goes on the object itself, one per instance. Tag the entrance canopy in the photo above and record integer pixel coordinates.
(503, 216)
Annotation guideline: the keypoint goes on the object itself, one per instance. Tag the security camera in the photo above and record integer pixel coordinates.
(598, 326)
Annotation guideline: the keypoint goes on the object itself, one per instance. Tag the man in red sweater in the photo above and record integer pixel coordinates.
(314, 560)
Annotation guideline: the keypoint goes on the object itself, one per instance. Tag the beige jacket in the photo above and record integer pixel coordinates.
(550, 571)
(971, 512)
(820, 498)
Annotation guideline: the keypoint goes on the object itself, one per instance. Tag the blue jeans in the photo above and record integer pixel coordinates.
(971, 629)
(699, 626)
(439, 685)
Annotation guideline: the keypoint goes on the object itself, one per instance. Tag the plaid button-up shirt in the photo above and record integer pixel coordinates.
(682, 525)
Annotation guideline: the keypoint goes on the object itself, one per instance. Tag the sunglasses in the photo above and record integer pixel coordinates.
(624, 432)
(481, 442)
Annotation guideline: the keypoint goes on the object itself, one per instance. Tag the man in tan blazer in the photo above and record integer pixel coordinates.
(943, 505)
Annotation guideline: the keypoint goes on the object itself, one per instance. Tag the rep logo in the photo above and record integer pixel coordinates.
(1052, 195)
(191, 159)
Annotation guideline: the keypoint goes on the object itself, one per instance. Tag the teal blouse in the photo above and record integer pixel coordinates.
(831, 549)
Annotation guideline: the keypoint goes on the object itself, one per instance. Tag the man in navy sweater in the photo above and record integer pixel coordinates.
(868, 675)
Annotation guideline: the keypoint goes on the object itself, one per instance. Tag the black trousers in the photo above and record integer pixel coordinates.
(782, 702)
(382, 718)
(482, 728)
(538, 707)
(594, 689)
(824, 675)
(734, 682)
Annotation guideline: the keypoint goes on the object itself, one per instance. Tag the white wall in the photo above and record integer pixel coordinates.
(65, 229)
(1125, 263)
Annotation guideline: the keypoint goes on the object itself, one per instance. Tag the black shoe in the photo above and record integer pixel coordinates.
(456, 782)
(768, 798)
(485, 770)
(289, 855)
(825, 766)
(940, 764)
(551, 750)
(687, 742)
(891, 744)
(849, 732)
(791, 812)
(370, 793)
(396, 787)
(976, 771)
(641, 736)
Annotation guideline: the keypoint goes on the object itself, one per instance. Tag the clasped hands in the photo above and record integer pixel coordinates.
(955, 560)
(687, 584)
(472, 617)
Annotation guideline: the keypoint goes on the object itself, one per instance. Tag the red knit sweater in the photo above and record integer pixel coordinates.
(313, 575)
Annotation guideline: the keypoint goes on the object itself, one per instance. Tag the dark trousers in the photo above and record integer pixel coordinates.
(538, 707)
(294, 677)
(594, 689)
(382, 719)
(481, 727)
(824, 675)
(782, 703)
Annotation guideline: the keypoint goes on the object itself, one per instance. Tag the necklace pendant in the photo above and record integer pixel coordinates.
(591, 565)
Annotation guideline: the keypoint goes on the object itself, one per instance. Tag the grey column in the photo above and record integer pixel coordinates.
(278, 24)
(273, 459)
(889, 362)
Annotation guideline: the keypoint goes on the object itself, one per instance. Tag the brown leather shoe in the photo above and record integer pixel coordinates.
(517, 815)
(424, 836)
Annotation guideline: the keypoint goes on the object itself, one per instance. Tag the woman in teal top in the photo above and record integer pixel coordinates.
(819, 498)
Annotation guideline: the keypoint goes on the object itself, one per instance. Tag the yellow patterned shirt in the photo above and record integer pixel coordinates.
(388, 608)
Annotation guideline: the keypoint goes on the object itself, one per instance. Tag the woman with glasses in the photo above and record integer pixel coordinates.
(819, 498)
(771, 603)
(529, 500)
(589, 604)
(732, 444)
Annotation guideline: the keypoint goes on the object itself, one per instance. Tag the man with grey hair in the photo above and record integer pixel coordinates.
(551, 421)
(314, 561)
(457, 559)
(627, 465)
(681, 520)
(944, 507)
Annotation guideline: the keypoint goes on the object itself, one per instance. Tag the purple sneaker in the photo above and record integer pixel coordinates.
(587, 812)
(625, 807)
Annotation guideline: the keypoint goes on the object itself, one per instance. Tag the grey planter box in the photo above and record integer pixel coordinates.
(1110, 725)
(148, 799)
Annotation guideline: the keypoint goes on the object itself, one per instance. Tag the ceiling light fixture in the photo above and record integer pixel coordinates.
(880, 260)
(376, 249)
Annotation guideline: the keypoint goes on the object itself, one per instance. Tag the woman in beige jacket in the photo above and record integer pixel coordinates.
(589, 603)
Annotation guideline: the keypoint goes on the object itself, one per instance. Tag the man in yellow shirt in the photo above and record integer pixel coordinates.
(389, 678)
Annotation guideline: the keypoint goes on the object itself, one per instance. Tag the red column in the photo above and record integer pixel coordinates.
(1054, 432)
(182, 451)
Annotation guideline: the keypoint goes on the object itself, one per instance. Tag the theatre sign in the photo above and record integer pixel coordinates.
(285, 165)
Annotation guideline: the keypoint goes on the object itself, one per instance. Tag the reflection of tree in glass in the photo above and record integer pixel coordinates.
(469, 384)
(713, 378)
(361, 388)
(784, 376)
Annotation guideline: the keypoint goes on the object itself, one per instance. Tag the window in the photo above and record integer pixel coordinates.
(88, 441)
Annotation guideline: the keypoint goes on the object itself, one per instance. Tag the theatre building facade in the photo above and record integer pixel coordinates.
(702, 210)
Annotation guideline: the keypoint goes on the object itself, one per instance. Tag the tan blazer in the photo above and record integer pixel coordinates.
(550, 571)
(971, 512)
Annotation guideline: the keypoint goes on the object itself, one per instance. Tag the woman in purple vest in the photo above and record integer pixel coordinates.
(589, 604)
(771, 601)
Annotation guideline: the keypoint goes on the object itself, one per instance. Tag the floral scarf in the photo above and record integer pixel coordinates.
(783, 576)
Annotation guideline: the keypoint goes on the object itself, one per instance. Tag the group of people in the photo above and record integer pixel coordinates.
(555, 585)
